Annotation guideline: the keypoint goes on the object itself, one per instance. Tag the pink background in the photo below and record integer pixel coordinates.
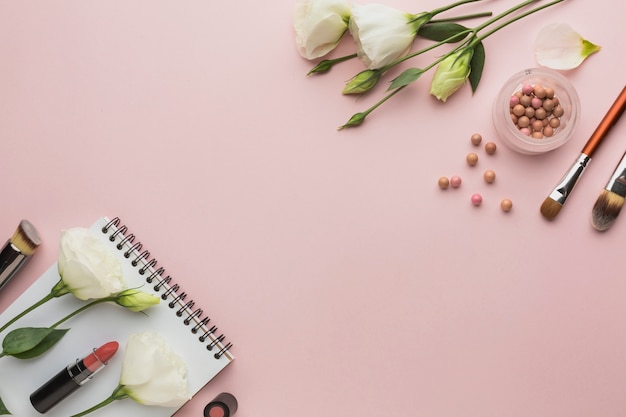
(349, 283)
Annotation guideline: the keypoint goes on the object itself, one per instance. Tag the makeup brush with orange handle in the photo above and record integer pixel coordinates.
(557, 198)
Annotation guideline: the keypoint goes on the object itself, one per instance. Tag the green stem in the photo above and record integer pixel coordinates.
(96, 407)
(81, 309)
(464, 17)
(451, 6)
(119, 393)
(28, 310)
(502, 15)
(516, 18)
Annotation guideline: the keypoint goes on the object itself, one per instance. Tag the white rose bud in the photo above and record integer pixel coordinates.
(451, 74)
(136, 300)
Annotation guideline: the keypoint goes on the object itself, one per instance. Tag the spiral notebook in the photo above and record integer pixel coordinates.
(188, 330)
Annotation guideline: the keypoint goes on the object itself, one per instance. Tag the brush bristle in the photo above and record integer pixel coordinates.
(26, 238)
(550, 208)
(606, 209)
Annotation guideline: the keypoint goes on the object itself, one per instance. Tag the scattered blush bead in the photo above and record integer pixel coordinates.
(525, 131)
(476, 139)
(506, 205)
(490, 148)
(455, 181)
(527, 89)
(472, 159)
(489, 176)
(513, 101)
(477, 199)
(443, 182)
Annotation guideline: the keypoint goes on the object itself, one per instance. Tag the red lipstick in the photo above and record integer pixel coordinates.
(72, 377)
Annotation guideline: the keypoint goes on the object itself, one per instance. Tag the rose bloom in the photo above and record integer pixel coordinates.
(88, 267)
(319, 26)
(152, 374)
(383, 34)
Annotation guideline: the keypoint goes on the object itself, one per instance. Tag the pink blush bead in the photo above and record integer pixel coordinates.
(477, 199)
(455, 181)
(527, 89)
(536, 102)
(513, 101)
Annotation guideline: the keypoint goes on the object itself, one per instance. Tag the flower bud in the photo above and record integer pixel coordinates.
(451, 73)
(136, 300)
(362, 82)
(355, 120)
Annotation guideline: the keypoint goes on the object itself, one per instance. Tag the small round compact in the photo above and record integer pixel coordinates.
(536, 111)
(224, 405)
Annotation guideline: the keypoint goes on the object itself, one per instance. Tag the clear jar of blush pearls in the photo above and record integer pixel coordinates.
(536, 111)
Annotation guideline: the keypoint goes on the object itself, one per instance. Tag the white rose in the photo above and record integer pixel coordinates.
(88, 267)
(319, 26)
(383, 34)
(152, 374)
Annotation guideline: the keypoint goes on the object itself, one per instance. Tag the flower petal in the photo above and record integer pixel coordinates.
(319, 26)
(560, 47)
(382, 34)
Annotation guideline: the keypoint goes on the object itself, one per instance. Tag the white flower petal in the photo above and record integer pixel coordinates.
(88, 267)
(152, 374)
(382, 34)
(319, 26)
(558, 46)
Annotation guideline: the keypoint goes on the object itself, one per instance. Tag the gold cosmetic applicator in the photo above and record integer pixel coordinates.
(554, 202)
(17, 251)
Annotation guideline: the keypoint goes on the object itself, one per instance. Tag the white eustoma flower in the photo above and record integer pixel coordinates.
(560, 47)
(152, 374)
(319, 26)
(88, 267)
(383, 34)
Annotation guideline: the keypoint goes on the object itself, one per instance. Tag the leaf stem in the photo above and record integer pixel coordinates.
(516, 18)
(83, 308)
(39, 303)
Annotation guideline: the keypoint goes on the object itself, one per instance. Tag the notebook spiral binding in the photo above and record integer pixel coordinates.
(147, 265)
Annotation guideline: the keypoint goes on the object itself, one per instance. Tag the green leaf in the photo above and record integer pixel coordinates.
(3, 409)
(477, 64)
(30, 342)
(407, 77)
(441, 31)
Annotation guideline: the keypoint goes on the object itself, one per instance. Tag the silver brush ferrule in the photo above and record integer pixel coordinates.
(569, 180)
(617, 182)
